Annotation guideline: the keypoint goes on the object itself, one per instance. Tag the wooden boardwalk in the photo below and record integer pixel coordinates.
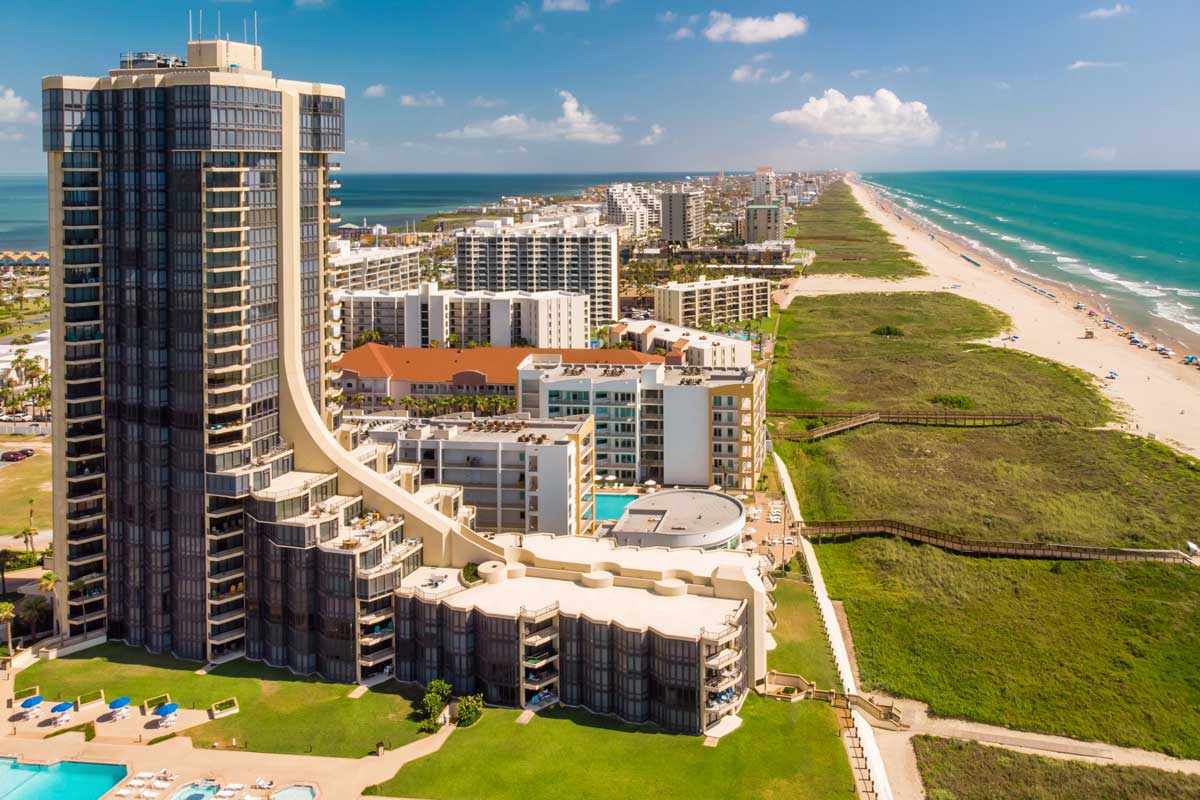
(848, 420)
(844, 530)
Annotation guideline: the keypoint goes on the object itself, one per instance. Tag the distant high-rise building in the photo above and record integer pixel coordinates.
(762, 183)
(633, 205)
(682, 216)
(764, 223)
(391, 269)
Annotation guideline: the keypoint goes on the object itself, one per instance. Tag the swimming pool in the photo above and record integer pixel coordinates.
(66, 780)
(611, 506)
(197, 791)
(297, 792)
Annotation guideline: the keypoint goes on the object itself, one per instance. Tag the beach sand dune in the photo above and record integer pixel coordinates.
(1156, 396)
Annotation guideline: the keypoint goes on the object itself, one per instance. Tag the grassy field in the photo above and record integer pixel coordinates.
(280, 712)
(1095, 650)
(1034, 482)
(958, 770)
(846, 241)
(801, 647)
(782, 750)
(21, 481)
(828, 358)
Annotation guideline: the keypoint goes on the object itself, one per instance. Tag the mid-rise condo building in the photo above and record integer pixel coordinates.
(691, 426)
(764, 223)
(391, 269)
(707, 303)
(682, 216)
(431, 316)
(633, 205)
(763, 183)
(569, 253)
(680, 345)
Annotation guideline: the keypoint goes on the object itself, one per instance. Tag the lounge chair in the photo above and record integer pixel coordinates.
(226, 793)
(137, 783)
(160, 784)
(148, 775)
(149, 794)
(123, 793)
(237, 787)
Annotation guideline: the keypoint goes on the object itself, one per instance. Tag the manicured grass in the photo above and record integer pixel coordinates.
(280, 712)
(1095, 650)
(800, 640)
(827, 358)
(20, 481)
(847, 241)
(1034, 482)
(958, 770)
(782, 750)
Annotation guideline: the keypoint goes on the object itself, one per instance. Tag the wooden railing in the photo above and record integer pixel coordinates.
(841, 530)
(854, 419)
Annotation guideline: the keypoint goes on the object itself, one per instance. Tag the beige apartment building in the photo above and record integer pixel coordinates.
(764, 223)
(392, 269)
(682, 216)
(707, 303)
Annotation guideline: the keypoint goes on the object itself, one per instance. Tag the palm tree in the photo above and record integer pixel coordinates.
(49, 583)
(31, 611)
(6, 557)
(7, 614)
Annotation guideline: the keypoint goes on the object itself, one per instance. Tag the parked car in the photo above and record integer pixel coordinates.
(28, 452)
(790, 540)
(13, 455)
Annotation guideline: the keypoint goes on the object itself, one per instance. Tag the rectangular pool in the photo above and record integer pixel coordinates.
(66, 780)
(612, 506)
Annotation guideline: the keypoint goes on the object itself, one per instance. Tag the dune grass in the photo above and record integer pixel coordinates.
(280, 712)
(1032, 482)
(782, 750)
(800, 640)
(847, 241)
(956, 770)
(1094, 650)
(827, 358)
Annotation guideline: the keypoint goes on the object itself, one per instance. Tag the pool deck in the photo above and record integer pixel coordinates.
(334, 778)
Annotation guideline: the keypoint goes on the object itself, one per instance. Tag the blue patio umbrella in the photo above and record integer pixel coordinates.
(61, 707)
(30, 702)
(166, 710)
(120, 702)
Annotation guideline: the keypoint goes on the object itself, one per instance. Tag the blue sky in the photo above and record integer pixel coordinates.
(597, 85)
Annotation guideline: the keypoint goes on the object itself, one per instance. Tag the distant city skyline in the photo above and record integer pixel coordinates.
(608, 85)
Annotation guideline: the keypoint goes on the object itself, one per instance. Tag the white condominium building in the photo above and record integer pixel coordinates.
(682, 216)
(449, 317)
(392, 268)
(682, 345)
(706, 303)
(763, 183)
(570, 253)
(633, 205)
(520, 474)
(675, 425)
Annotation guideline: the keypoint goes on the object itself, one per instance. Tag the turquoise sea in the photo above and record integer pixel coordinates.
(1133, 237)
(390, 199)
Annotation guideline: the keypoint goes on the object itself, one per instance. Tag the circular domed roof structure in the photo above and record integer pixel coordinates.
(681, 518)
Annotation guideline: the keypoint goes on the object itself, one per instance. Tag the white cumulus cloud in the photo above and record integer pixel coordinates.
(576, 124)
(683, 33)
(724, 27)
(1074, 65)
(14, 108)
(1119, 10)
(375, 90)
(657, 132)
(565, 5)
(747, 73)
(422, 100)
(881, 118)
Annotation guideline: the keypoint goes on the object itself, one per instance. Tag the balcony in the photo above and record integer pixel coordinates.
(725, 656)
(539, 679)
(227, 636)
(541, 637)
(722, 680)
(540, 659)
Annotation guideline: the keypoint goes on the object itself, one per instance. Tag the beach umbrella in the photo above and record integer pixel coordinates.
(30, 702)
(651, 482)
(120, 702)
(61, 707)
(166, 710)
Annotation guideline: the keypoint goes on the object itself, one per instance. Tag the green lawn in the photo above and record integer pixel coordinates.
(827, 358)
(782, 751)
(1095, 650)
(958, 770)
(801, 647)
(1034, 482)
(20, 481)
(847, 241)
(280, 712)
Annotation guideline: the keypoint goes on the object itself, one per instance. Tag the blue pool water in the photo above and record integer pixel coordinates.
(197, 791)
(611, 506)
(66, 780)
(296, 793)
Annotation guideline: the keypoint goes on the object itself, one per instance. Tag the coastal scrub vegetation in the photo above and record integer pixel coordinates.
(280, 712)
(953, 769)
(800, 645)
(782, 750)
(1095, 650)
(847, 241)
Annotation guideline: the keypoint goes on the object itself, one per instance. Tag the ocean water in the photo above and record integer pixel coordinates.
(390, 199)
(1133, 237)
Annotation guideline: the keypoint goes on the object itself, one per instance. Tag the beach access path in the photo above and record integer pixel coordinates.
(1154, 395)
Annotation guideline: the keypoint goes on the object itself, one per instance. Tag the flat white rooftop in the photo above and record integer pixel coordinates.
(679, 512)
(586, 554)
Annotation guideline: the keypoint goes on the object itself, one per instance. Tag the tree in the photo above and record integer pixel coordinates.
(32, 610)
(6, 557)
(367, 337)
(7, 614)
(49, 583)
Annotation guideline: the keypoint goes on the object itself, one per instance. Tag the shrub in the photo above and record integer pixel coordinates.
(887, 330)
(437, 692)
(470, 709)
(959, 401)
(470, 572)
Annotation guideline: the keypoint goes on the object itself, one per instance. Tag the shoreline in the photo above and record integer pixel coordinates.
(1152, 395)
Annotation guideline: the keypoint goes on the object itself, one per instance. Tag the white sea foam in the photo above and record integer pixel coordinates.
(1179, 313)
(1008, 238)
(1067, 260)
(1001, 219)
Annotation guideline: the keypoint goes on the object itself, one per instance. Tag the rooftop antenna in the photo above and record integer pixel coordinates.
(245, 35)
(256, 29)
(189, 25)
(202, 24)
(218, 24)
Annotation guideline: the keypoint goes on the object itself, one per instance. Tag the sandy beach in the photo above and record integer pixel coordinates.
(1154, 396)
